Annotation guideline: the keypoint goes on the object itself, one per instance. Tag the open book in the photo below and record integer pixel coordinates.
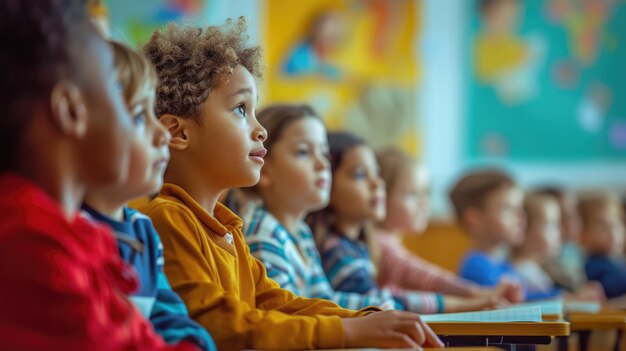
(514, 314)
(558, 306)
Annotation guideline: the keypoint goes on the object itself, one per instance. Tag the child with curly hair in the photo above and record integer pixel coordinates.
(207, 99)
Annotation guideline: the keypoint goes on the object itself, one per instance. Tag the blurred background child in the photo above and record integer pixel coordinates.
(488, 206)
(541, 243)
(407, 186)
(345, 232)
(566, 268)
(602, 238)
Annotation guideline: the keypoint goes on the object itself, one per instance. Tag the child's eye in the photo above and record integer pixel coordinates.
(139, 119)
(119, 87)
(302, 152)
(241, 111)
(360, 174)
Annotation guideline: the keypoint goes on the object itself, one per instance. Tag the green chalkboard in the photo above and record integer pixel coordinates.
(546, 80)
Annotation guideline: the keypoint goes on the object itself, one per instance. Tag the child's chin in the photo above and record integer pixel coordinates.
(252, 180)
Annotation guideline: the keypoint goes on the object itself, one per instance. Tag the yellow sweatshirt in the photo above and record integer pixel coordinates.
(227, 290)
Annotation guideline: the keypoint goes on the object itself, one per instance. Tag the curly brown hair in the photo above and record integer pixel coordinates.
(192, 61)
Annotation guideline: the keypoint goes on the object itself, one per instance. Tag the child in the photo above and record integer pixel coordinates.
(407, 187)
(567, 268)
(541, 243)
(295, 180)
(357, 200)
(603, 240)
(206, 98)
(137, 241)
(488, 205)
(64, 130)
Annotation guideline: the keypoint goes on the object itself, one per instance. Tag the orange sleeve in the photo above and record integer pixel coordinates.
(233, 323)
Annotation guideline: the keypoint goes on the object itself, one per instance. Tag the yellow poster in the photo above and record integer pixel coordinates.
(354, 61)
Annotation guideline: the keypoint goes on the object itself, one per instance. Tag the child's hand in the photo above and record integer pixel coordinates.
(511, 290)
(591, 291)
(464, 304)
(389, 329)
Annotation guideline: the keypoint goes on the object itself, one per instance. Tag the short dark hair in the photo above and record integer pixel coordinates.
(36, 43)
(275, 118)
(339, 143)
(474, 187)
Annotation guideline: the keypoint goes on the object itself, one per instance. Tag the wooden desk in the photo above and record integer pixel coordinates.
(603, 320)
(606, 319)
(509, 333)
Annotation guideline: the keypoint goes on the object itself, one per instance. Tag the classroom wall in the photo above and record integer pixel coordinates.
(444, 116)
(442, 103)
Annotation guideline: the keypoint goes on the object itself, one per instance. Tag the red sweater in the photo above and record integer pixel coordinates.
(63, 284)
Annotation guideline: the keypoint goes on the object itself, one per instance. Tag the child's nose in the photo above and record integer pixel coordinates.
(162, 135)
(259, 134)
(321, 163)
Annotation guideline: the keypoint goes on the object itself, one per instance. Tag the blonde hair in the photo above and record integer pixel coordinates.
(135, 73)
(392, 162)
(534, 204)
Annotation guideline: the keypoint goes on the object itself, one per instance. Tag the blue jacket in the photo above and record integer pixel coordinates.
(155, 299)
(481, 269)
(611, 273)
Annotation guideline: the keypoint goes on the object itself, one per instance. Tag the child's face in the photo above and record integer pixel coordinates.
(570, 223)
(108, 133)
(358, 191)
(149, 150)
(604, 231)
(297, 172)
(544, 232)
(502, 218)
(227, 144)
(408, 203)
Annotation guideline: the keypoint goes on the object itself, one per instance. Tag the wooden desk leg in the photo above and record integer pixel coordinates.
(583, 340)
(562, 342)
(618, 340)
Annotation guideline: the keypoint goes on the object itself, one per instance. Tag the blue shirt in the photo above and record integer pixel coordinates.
(155, 298)
(610, 272)
(484, 270)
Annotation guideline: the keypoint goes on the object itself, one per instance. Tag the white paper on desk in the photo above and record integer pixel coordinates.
(582, 306)
(515, 314)
(548, 307)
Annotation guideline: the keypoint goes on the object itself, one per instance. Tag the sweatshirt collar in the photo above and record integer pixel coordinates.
(224, 220)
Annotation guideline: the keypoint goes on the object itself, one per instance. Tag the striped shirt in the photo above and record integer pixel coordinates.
(155, 299)
(293, 261)
(348, 265)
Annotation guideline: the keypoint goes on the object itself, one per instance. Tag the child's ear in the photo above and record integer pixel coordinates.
(472, 217)
(68, 109)
(178, 129)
